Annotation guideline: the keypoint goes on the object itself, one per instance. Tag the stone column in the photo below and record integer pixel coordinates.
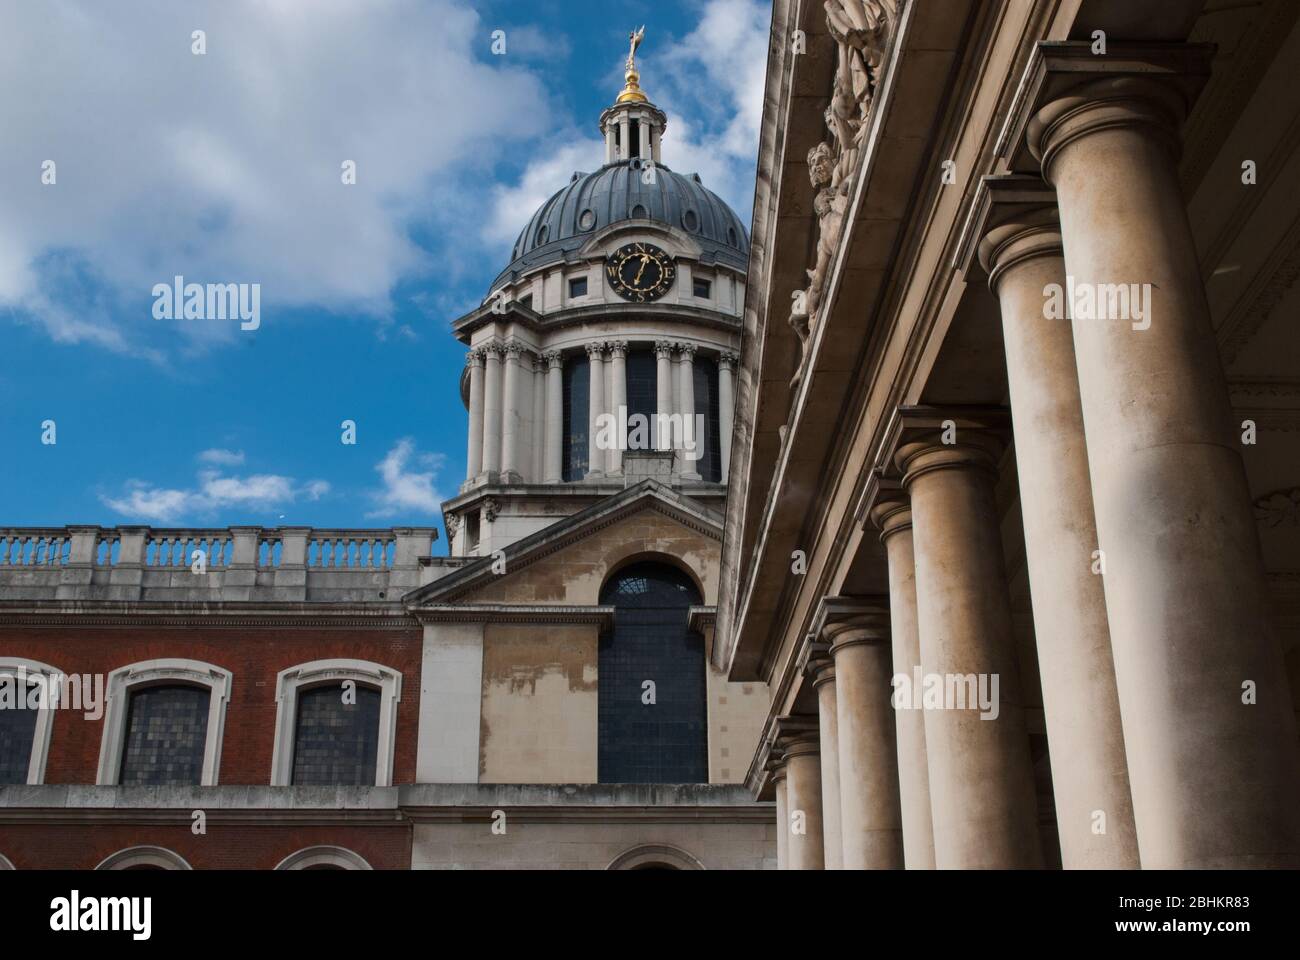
(624, 137)
(892, 514)
(1094, 810)
(782, 815)
(726, 406)
(538, 420)
(820, 669)
(492, 409)
(511, 414)
(554, 470)
(1208, 723)
(690, 435)
(799, 742)
(869, 809)
(618, 401)
(474, 456)
(596, 407)
(663, 394)
(982, 795)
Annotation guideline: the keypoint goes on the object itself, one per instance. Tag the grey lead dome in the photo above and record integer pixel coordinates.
(618, 192)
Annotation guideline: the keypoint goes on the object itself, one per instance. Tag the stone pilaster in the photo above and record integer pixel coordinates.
(492, 409)
(727, 361)
(618, 401)
(554, 471)
(663, 394)
(474, 455)
(596, 407)
(686, 391)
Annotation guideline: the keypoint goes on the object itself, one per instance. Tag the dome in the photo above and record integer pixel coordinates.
(618, 192)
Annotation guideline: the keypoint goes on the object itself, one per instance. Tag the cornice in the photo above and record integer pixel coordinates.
(129, 613)
(540, 613)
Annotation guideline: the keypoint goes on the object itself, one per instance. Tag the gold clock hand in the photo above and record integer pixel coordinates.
(644, 260)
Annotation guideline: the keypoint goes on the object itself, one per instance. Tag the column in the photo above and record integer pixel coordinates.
(474, 457)
(1210, 737)
(869, 810)
(1094, 810)
(820, 668)
(726, 406)
(693, 438)
(511, 414)
(538, 417)
(492, 409)
(596, 407)
(554, 472)
(782, 815)
(663, 394)
(624, 137)
(799, 742)
(618, 402)
(982, 795)
(892, 514)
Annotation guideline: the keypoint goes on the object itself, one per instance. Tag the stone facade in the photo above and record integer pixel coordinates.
(979, 166)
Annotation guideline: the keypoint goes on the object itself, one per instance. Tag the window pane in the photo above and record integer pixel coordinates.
(642, 391)
(667, 741)
(709, 466)
(17, 734)
(577, 388)
(166, 732)
(336, 743)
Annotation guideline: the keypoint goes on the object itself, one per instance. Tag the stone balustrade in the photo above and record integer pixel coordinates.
(218, 564)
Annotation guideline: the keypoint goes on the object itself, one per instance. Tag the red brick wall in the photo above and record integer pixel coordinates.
(48, 846)
(253, 655)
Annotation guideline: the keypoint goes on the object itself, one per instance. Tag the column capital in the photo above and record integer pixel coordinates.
(554, 359)
(815, 661)
(923, 438)
(728, 358)
(664, 349)
(595, 349)
(514, 350)
(493, 349)
(617, 349)
(838, 618)
(1015, 219)
(687, 350)
(796, 736)
(1068, 90)
(888, 508)
(474, 358)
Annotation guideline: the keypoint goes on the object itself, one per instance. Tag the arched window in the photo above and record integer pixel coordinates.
(324, 858)
(335, 724)
(163, 723)
(166, 731)
(336, 736)
(144, 858)
(651, 700)
(27, 692)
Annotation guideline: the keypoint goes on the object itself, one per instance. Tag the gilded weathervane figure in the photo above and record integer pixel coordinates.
(632, 91)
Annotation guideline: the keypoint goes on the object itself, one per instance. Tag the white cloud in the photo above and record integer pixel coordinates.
(226, 167)
(407, 489)
(223, 458)
(513, 205)
(213, 492)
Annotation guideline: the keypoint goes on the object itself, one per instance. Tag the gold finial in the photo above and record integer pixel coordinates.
(632, 91)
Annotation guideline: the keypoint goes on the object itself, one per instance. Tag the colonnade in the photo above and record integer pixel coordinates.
(516, 407)
(1166, 704)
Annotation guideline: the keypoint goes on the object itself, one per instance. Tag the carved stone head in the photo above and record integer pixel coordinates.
(821, 165)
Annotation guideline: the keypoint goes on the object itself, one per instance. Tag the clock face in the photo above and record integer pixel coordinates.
(640, 272)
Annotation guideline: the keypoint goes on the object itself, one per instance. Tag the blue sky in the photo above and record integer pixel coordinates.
(225, 168)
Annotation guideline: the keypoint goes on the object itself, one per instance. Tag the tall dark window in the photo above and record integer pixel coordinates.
(577, 415)
(709, 466)
(666, 741)
(334, 742)
(17, 736)
(166, 735)
(642, 394)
